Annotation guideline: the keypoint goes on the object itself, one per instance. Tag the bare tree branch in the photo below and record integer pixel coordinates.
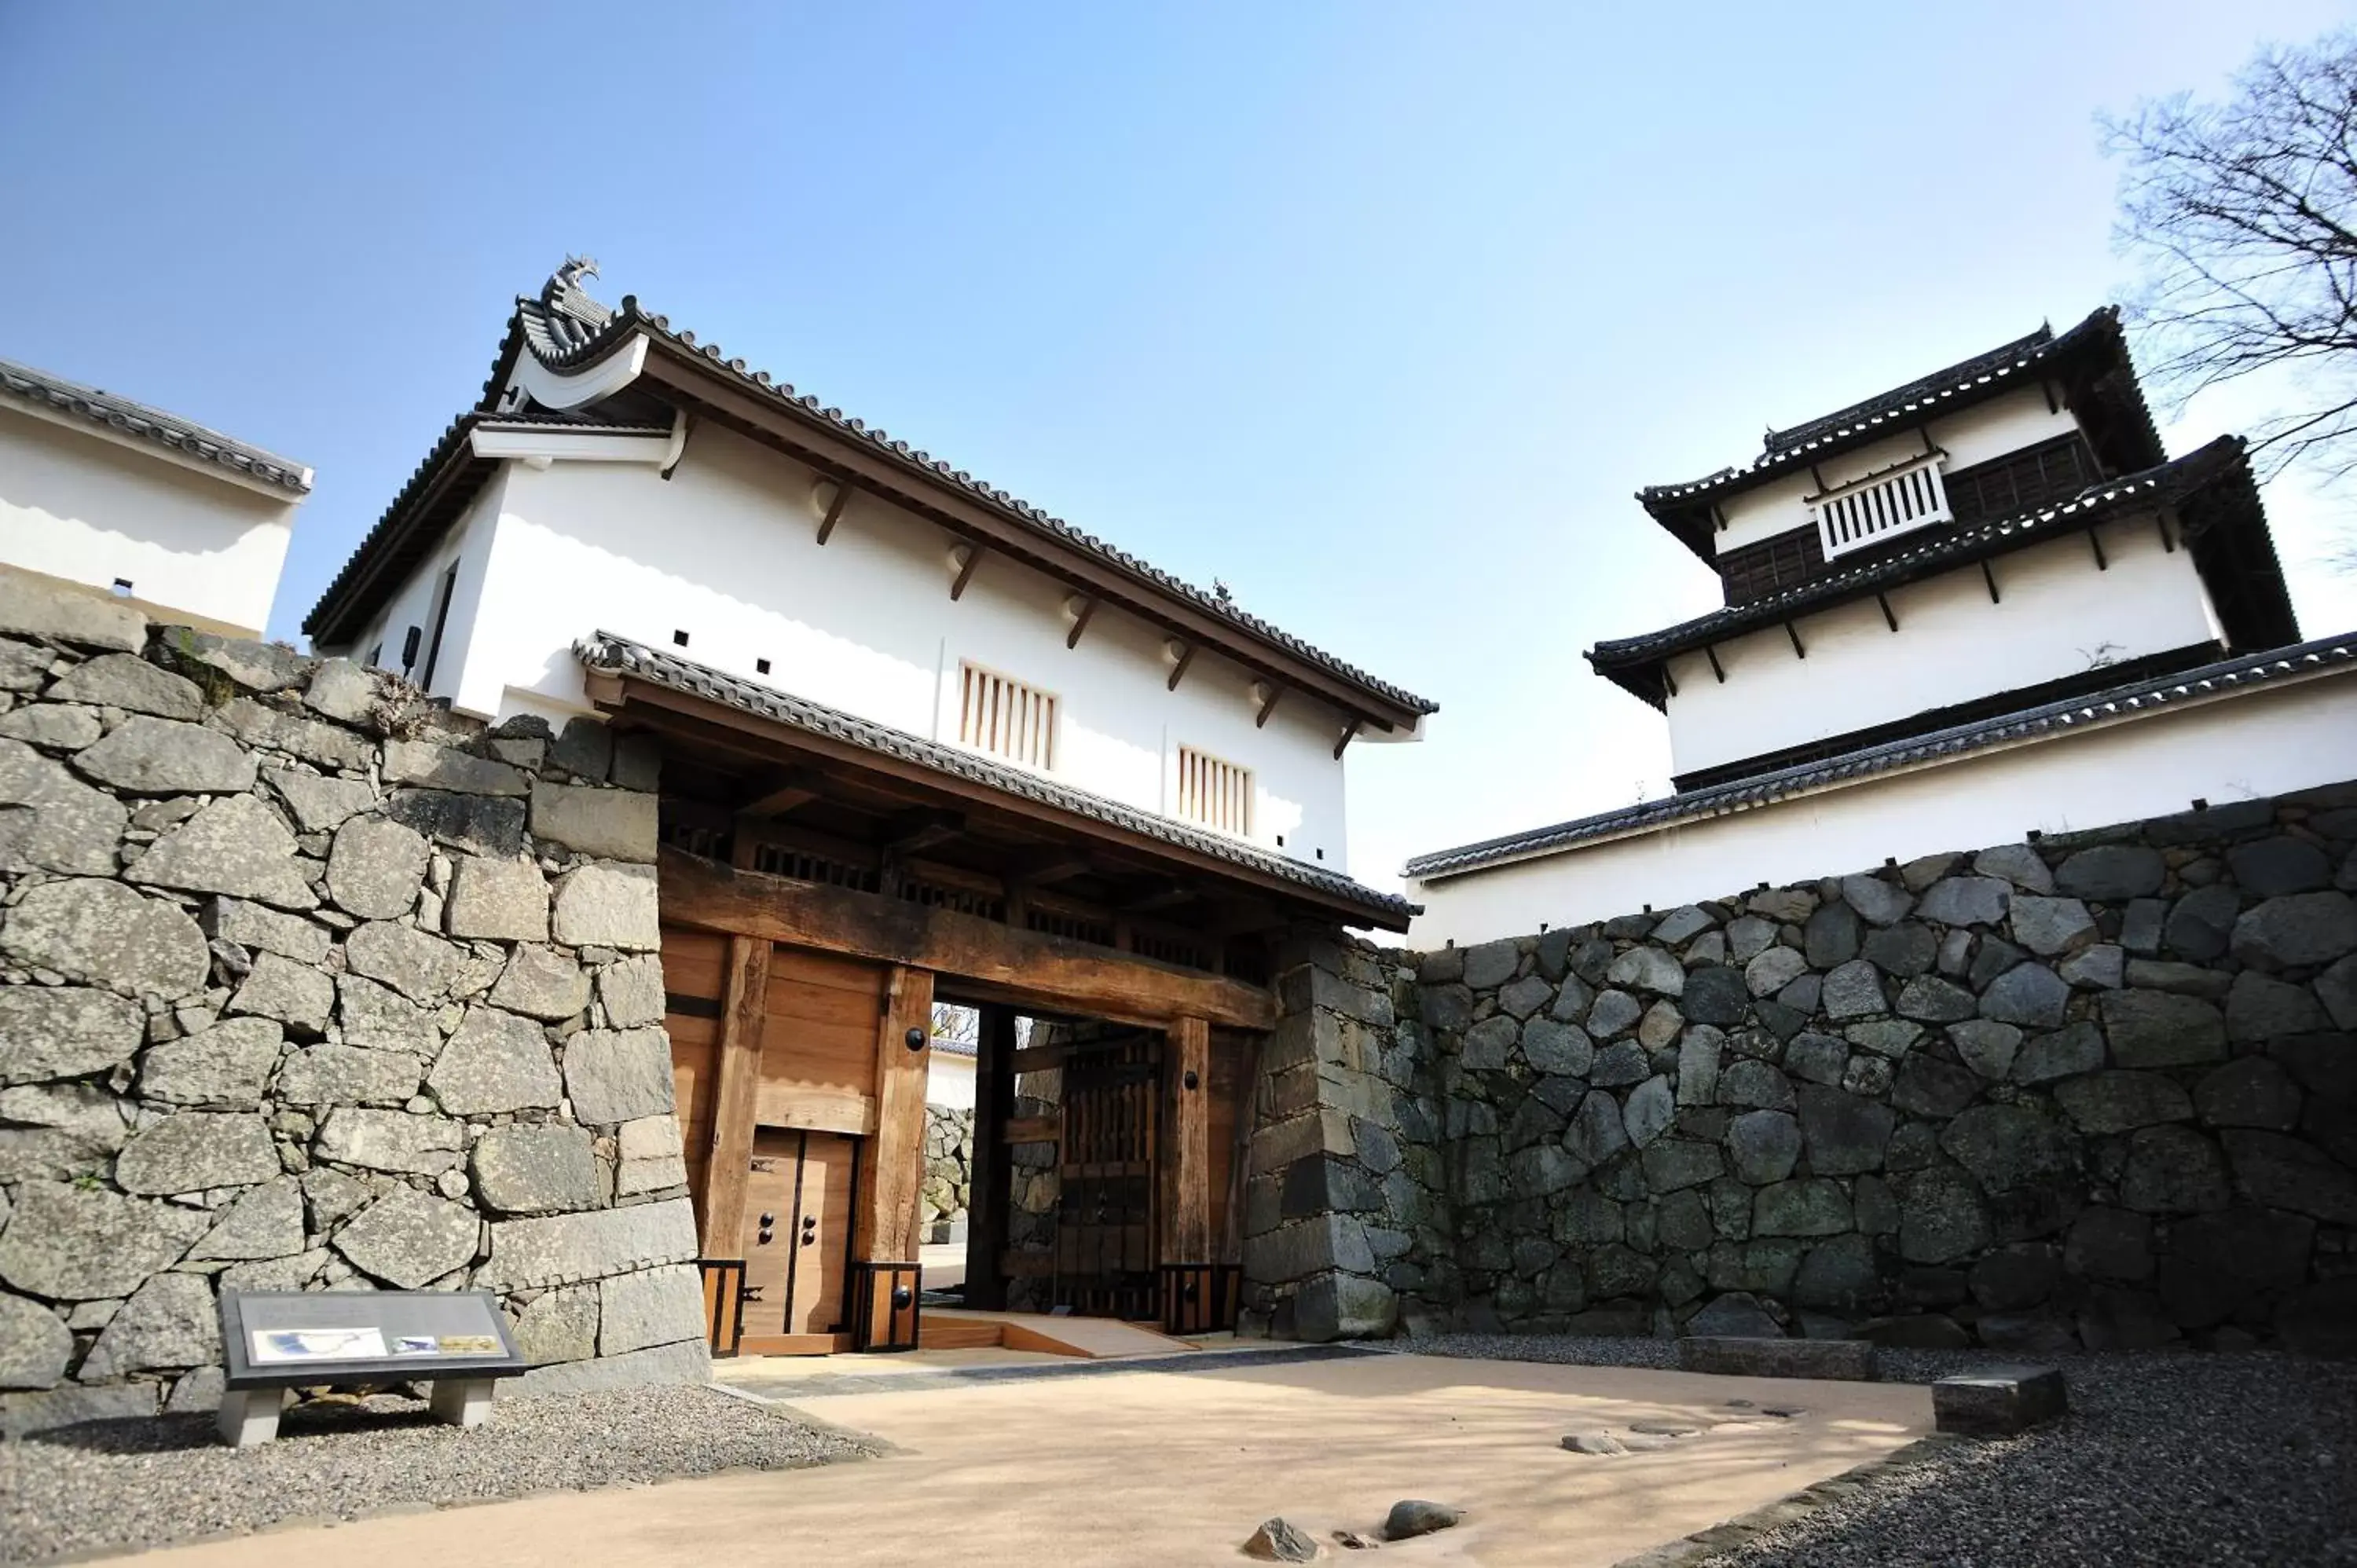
(2244, 214)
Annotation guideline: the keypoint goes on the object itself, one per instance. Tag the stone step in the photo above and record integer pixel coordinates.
(2001, 1401)
(1833, 1360)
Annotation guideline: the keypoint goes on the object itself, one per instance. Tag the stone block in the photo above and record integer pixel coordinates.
(266, 1222)
(321, 804)
(496, 1061)
(35, 1344)
(53, 727)
(23, 1415)
(235, 845)
(74, 1244)
(611, 824)
(284, 991)
(489, 826)
(56, 823)
(618, 1075)
(650, 1157)
(500, 900)
(64, 1031)
(632, 992)
(419, 965)
(225, 1065)
(252, 925)
(1334, 1306)
(1999, 1402)
(390, 1141)
(649, 1308)
(409, 1240)
(195, 1151)
(148, 756)
(1830, 1361)
(168, 1324)
(688, 1362)
(343, 691)
(376, 867)
(2296, 929)
(432, 766)
(347, 1074)
(609, 905)
(564, 1249)
(542, 983)
(536, 1169)
(267, 729)
(109, 934)
(559, 1325)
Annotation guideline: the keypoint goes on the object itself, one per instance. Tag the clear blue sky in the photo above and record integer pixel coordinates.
(1379, 313)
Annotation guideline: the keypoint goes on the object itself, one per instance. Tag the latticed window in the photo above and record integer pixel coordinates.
(1001, 715)
(1215, 793)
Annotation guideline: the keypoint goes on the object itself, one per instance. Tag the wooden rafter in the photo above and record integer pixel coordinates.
(1989, 576)
(2095, 543)
(780, 792)
(1793, 631)
(1711, 653)
(912, 832)
(1889, 615)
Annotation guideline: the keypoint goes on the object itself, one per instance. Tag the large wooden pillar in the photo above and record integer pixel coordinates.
(988, 1189)
(886, 1280)
(1187, 1275)
(744, 1001)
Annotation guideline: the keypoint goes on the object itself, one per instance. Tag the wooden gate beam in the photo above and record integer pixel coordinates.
(744, 999)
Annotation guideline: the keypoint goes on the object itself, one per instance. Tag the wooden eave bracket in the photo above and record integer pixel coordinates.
(1268, 702)
(833, 508)
(2095, 543)
(1710, 652)
(1081, 608)
(1349, 731)
(965, 558)
(1889, 615)
(1988, 576)
(1793, 631)
(912, 832)
(1185, 656)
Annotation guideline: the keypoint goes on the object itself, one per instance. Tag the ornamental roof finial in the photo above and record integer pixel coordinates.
(575, 270)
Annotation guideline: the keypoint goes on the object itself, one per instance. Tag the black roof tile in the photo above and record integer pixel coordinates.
(186, 436)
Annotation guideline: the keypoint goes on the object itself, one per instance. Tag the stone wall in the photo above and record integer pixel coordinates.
(1346, 1198)
(949, 1172)
(305, 983)
(2095, 1091)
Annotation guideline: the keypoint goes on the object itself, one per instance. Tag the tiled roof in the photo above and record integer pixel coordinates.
(1980, 376)
(608, 654)
(1933, 550)
(185, 437)
(564, 327)
(2249, 672)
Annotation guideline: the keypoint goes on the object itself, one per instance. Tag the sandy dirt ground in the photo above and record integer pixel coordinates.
(1160, 1467)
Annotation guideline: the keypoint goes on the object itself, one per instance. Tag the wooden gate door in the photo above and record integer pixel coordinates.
(797, 1241)
(1107, 1227)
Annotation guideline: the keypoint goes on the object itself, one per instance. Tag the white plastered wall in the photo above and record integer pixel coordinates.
(2057, 614)
(87, 509)
(2261, 741)
(725, 551)
(949, 1081)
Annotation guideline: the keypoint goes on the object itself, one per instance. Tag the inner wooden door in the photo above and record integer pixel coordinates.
(797, 1240)
(1106, 1191)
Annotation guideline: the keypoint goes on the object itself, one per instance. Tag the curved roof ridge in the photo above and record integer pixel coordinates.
(2070, 713)
(561, 348)
(185, 437)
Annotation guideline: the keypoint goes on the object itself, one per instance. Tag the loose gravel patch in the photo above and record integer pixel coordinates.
(2166, 1458)
(121, 1486)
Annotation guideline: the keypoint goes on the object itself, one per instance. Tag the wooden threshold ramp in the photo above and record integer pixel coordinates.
(1094, 1338)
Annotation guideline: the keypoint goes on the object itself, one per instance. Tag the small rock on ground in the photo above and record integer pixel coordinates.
(1281, 1540)
(1412, 1517)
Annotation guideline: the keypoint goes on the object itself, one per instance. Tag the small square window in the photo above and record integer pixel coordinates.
(678, 638)
(760, 666)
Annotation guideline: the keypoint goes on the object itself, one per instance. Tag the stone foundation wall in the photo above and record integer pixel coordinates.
(307, 984)
(949, 1171)
(2095, 1091)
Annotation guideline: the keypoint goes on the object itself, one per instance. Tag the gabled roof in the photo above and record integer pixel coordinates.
(2090, 359)
(56, 395)
(606, 653)
(2212, 488)
(566, 331)
(2226, 677)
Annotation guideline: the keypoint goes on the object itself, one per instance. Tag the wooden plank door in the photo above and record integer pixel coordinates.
(797, 1240)
(1108, 1198)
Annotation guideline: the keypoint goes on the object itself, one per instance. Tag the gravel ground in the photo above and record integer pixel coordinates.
(2165, 1459)
(120, 1486)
